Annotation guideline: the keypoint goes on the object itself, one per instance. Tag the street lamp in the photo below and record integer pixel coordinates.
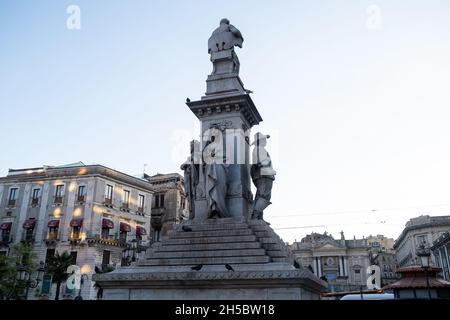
(130, 254)
(24, 276)
(424, 256)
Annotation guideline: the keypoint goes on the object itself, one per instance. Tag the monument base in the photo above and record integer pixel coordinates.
(234, 258)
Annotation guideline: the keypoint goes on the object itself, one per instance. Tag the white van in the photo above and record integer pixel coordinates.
(369, 296)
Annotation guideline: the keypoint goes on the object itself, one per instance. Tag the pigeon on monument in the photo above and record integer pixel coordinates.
(230, 268)
(186, 228)
(197, 267)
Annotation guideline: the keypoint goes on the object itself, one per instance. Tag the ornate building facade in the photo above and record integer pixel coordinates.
(418, 231)
(169, 205)
(383, 255)
(90, 211)
(441, 252)
(343, 263)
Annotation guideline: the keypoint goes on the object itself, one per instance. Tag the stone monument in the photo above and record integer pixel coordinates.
(225, 250)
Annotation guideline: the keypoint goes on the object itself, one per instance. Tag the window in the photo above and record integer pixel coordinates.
(159, 201)
(29, 234)
(50, 253)
(106, 258)
(123, 236)
(81, 193)
(59, 194)
(76, 233)
(105, 233)
(52, 233)
(35, 196)
(126, 198)
(141, 203)
(109, 193)
(73, 255)
(6, 233)
(421, 239)
(12, 196)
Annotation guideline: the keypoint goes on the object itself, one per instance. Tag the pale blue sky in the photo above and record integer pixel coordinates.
(358, 117)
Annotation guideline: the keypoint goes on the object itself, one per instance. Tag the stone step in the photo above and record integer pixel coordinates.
(259, 227)
(281, 259)
(268, 240)
(211, 260)
(208, 240)
(262, 234)
(277, 253)
(209, 227)
(211, 233)
(209, 246)
(273, 246)
(206, 254)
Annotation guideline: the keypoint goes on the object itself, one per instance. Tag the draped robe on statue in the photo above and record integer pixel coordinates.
(215, 171)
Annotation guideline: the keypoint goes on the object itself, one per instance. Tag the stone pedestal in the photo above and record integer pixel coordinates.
(263, 266)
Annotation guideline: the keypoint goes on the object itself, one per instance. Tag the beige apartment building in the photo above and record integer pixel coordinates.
(91, 211)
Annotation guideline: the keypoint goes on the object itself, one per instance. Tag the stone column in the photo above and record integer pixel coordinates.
(315, 265)
(319, 265)
(88, 208)
(447, 258)
(69, 211)
(41, 224)
(341, 266)
(1, 192)
(345, 267)
(22, 213)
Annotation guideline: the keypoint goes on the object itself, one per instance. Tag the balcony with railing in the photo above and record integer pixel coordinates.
(34, 202)
(108, 202)
(58, 200)
(140, 211)
(125, 207)
(11, 203)
(81, 198)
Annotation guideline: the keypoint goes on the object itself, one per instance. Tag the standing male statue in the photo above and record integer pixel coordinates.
(262, 175)
(215, 173)
(191, 174)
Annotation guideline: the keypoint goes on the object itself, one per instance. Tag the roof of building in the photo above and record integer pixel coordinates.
(317, 240)
(74, 169)
(422, 222)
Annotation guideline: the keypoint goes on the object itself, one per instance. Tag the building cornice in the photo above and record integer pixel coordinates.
(52, 173)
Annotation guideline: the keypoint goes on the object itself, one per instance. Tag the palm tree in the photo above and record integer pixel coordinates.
(57, 268)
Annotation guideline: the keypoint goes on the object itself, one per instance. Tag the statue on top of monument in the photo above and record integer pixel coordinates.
(262, 175)
(225, 37)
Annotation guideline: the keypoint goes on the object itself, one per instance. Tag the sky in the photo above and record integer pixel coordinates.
(353, 93)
